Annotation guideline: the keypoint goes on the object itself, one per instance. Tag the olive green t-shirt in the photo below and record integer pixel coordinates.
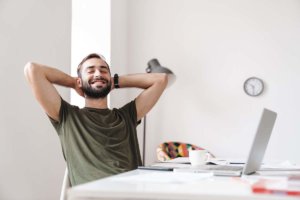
(97, 143)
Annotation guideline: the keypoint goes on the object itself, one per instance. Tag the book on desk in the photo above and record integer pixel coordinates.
(284, 186)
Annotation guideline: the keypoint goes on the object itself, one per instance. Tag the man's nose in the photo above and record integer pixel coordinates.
(97, 73)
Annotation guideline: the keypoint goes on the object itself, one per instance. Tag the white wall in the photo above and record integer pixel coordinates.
(213, 47)
(90, 34)
(32, 164)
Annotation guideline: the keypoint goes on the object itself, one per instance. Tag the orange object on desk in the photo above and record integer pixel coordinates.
(279, 187)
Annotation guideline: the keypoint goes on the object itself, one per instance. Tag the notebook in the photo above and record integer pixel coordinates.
(255, 156)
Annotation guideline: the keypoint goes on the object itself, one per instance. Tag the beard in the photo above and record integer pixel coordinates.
(98, 92)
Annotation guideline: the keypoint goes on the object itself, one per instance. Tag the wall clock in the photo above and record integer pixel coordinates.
(253, 86)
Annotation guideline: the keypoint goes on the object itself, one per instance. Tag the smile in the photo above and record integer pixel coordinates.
(98, 81)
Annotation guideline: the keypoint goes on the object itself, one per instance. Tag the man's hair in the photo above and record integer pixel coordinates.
(90, 56)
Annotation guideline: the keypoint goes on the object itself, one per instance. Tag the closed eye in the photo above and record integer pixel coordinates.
(90, 71)
(103, 70)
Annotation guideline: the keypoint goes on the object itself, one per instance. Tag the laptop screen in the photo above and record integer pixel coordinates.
(260, 141)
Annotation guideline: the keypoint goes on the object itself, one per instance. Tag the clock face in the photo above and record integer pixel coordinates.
(253, 86)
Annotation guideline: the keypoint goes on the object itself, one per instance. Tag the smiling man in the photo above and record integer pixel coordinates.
(96, 141)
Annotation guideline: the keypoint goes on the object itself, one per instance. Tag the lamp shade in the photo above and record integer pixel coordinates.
(155, 67)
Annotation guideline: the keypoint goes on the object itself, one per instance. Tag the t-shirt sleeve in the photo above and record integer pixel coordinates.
(63, 113)
(130, 109)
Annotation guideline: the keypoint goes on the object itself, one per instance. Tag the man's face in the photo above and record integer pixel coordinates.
(96, 78)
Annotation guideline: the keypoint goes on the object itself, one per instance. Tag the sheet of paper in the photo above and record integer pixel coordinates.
(185, 160)
(280, 166)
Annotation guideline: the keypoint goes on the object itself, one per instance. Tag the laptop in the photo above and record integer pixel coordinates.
(255, 156)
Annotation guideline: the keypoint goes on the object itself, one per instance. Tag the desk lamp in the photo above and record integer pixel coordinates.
(155, 67)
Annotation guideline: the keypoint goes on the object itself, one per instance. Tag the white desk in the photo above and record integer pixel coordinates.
(160, 185)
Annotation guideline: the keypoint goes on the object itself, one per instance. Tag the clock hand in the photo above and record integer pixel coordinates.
(253, 88)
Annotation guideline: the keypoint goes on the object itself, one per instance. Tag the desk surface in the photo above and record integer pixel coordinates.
(163, 185)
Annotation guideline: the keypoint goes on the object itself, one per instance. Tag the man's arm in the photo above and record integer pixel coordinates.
(153, 85)
(41, 79)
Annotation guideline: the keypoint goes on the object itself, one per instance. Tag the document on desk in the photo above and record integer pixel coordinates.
(217, 161)
(280, 166)
(181, 163)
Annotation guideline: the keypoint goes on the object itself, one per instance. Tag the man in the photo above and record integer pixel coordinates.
(96, 141)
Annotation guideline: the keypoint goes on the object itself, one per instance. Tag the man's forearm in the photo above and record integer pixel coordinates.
(142, 81)
(153, 85)
(54, 76)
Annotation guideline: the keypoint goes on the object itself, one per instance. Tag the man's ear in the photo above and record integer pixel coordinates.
(79, 82)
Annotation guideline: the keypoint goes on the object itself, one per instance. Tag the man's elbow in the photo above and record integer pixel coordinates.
(29, 69)
(163, 79)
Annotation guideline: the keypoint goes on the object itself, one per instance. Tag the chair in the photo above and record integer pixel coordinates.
(65, 186)
(171, 150)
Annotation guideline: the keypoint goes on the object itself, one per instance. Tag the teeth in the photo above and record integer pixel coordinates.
(98, 81)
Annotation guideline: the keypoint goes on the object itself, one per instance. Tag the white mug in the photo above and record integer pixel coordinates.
(198, 157)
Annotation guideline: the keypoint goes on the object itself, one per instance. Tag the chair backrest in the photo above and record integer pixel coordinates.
(65, 186)
(170, 150)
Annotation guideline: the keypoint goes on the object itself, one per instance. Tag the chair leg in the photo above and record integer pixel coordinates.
(65, 186)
